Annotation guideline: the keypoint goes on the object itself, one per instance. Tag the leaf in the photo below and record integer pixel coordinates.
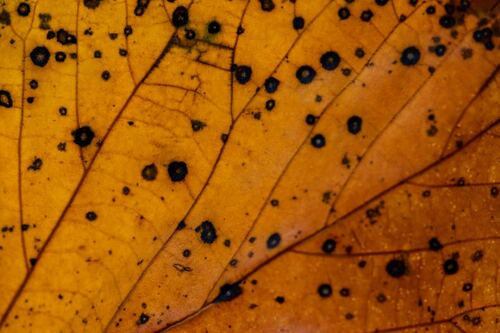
(156, 153)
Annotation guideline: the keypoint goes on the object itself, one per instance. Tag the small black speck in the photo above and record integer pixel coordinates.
(318, 141)
(298, 22)
(105, 75)
(396, 268)
(280, 299)
(354, 124)
(143, 318)
(435, 244)
(228, 292)
(60, 56)
(366, 15)
(344, 13)
(271, 84)
(273, 241)
(149, 172)
(23, 9)
(91, 216)
(266, 5)
(177, 171)
(310, 119)
(325, 290)
(243, 74)
(330, 60)
(447, 21)
(207, 231)
(450, 267)
(5, 99)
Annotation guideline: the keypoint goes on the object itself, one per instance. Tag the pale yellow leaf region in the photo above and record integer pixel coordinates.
(249, 166)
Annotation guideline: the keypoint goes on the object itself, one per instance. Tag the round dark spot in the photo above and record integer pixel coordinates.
(381, 2)
(447, 21)
(122, 52)
(190, 34)
(329, 245)
(494, 191)
(280, 299)
(275, 202)
(97, 54)
(345, 292)
(83, 136)
(127, 31)
(381, 298)
(105, 75)
(40, 56)
(186, 253)
(214, 27)
(410, 56)
(354, 124)
(310, 119)
(273, 241)
(177, 171)
(92, 4)
(325, 290)
(63, 111)
(318, 141)
(270, 104)
(396, 268)
(228, 292)
(271, 84)
(149, 172)
(30, 99)
(33, 84)
(431, 10)
(243, 74)
(23, 9)
(60, 56)
(298, 22)
(91, 216)
(467, 287)
(125, 190)
(344, 13)
(450, 267)
(330, 60)
(180, 17)
(207, 231)
(5, 99)
(366, 15)
(360, 53)
(305, 74)
(435, 244)
(143, 318)
(440, 50)
(266, 5)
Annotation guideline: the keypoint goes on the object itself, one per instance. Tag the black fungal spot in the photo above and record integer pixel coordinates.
(65, 38)
(494, 191)
(92, 4)
(5, 99)
(360, 53)
(105, 75)
(450, 267)
(271, 84)
(97, 54)
(149, 172)
(396, 268)
(180, 17)
(440, 50)
(91, 216)
(177, 171)
(435, 244)
(33, 261)
(33, 84)
(122, 52)
(126, 190)
(345, 292)
(447, 21)
(141, 7)
(410, 56)
(366, 15)
(330, 60)
(310, 119)
(4, 17)
(305, 74)
(190, 34)
(280, 299)
(83, 136)
(344, 13)
(23, 9)
(63, 111)
(324, 290)
(329, 246)
(181, 225)
(40, 56)
(318, 141)
(143, 318)
(431, 10)
(243, 74)
(354, 124)
(214, 27)
(207, 231)
(467, 287)
(270, 104)
(36, 164)
(228, 292)
(44, 21)
(298, 22)
(60, 56)
(273, 241)
(127, 31)
(266, 5)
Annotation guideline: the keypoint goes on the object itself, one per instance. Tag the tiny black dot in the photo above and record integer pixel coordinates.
(435, 244)
(40, 56)
(431, 10)
(447, 21)
(143, 318)
(310, 119)
(354, 124)
(467, 287)
(214, 27)
(396, 268)
(177, 171)
(186, 253)
(450, 267)
(33, 84)
(410, 56)
(228, 292)
(271, 84)
(381, 2)
(344, 13)
(105, 75)
(127, 31)
(360, 53)
(324, 290)
(5, 99)
(298, 22)
(125, 190)
(208, 234)
(97, 54)
(345, 292)
(60, 56)
(280, 299)
(494, 191)
(180, 17)
(305, 74)
(329, 245)
(440, 50)
(273, 240)
(190, 34)
(267, 5)
(318, 141)
(270, 104)
(91, 216)
(83, 136)
(243, 74)
(366, 15)
(149, 172)
(330, 60)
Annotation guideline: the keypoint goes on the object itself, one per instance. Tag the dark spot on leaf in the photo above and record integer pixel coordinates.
(83, 136)
(305, 74)
(266, 5)
(325, 290)
(5, 99)
(143, 318)
(329, 245)
(23, 9)
(214, 27)
(243, 74)
(91, 216)
(177, 171)
(228, 292)
(207, 231)
(273, 240)
(435, 244)
(354, 124)
(180, 17)
(396, 268)
(330, 60)
(149, 172)
(318, 141)
(410, 56)
(40, 56)
(450, 266)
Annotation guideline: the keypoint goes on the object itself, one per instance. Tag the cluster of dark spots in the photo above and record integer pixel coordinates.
(298, 23)
(36, 164)
(197, 125)
(329, 246)
(410, 56)
(45, 19)
(5, 99)
(180, 17)
(141, 7)
(266, 5)
(7, 228)
(228, 292)
(273, 241)
(143, 318)
(60, 56)
(207, 231)
(318, 141)
(23, 9)
(310, 119)
(83, 136)
(149, 172)
(305, 74)
(344, 13)
(65, 38)
(330, 60)
(271, 84)
(450, 266)
(396, 268)
(484, 36)
(435, 244)
(214, 27)
(354, 124)
(40, 56)
(4, 17)
(105, 75)
(91, 216)
(359, 52)
(325, 290)
(243, 74)
(177, 171)
(270, 104)
(280, 299)
(366, 15)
